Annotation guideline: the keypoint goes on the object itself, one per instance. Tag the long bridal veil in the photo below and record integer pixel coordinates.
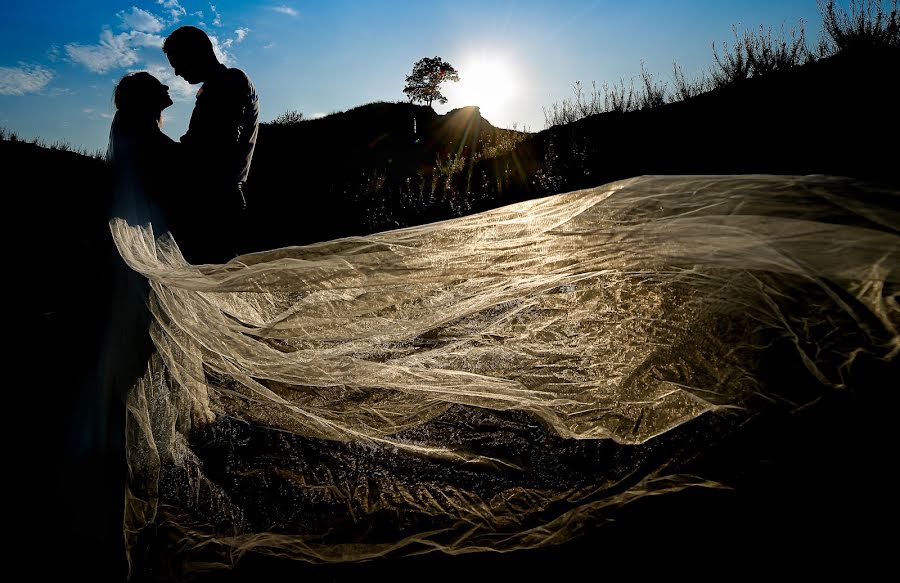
(496, 381)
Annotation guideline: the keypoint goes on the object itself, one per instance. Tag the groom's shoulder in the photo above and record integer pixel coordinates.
(238, 80)
(237, 84)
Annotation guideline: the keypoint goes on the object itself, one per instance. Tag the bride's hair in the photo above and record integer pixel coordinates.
(138, 93)
(138, 102)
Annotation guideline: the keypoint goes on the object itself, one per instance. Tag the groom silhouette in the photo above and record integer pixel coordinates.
(218, 147)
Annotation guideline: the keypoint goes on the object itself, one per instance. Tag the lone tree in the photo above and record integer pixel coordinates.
(424, 81)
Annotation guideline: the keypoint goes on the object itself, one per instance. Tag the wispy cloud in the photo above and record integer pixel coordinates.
(142, 39)
(23, 79)
(219, 49)
(57, 91)
(286, 10)
(240, 34)
(94, 115)
(217, 18)
(176, 10)
(140, 20)
(113, 51)
(269, 46)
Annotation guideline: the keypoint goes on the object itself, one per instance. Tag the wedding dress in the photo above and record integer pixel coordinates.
(496, 381)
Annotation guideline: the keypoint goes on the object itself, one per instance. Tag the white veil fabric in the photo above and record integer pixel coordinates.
(495, 381)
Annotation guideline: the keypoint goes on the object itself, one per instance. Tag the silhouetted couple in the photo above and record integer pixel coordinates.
(192, 188)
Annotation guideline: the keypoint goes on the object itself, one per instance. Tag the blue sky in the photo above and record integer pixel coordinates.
(59, 61)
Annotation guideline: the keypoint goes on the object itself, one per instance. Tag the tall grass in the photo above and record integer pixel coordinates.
(767, 54)
(505, 141)
(652, 93)
(686, 88)
(868, 25)
(759, 54)
(608, 98)
(58, 145)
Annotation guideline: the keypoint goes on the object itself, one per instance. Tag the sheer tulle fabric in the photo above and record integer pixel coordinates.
(495, 381)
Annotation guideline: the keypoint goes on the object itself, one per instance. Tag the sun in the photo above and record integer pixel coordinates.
(486, 82)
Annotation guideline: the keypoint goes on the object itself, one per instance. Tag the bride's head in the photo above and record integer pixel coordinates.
(142, 95)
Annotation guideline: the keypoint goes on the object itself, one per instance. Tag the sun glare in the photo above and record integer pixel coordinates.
(485, 82)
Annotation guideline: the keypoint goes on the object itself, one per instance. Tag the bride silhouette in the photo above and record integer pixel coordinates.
(144, 159)
(145, 168)
(147, 203)
(144, 163)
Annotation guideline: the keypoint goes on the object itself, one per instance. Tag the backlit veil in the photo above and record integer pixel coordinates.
(125, 344)
(496, 381)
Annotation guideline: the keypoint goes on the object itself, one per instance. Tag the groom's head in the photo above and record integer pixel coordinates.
(190, 53)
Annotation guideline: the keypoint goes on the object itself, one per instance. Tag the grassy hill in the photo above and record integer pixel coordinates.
(831, 116)
(352, 165)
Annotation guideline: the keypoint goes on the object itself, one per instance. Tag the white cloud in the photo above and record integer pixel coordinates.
(219, 49)
(57, 91)
(23, 79)
(179, 89)
(269, 46)
(176, 10)
(217, 18)
(140, 20)
(53, 53)
(117, 51)
(142, 39)
(286, 10)
(94, 115)
(114, 51)
(240, 34)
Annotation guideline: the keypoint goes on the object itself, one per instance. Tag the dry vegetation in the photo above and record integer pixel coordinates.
(867, 25)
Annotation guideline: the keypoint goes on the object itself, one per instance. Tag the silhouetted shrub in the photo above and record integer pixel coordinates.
(569, 110)
(653, 94)
(766, 54)
(867, 26)
(610, 98)
(686, 88)
(288, 118)
(733, 66)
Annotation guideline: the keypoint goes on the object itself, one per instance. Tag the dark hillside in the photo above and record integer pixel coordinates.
(833, 116)
(344, 162)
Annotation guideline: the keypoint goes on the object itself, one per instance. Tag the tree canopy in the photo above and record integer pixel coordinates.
(423, 84)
